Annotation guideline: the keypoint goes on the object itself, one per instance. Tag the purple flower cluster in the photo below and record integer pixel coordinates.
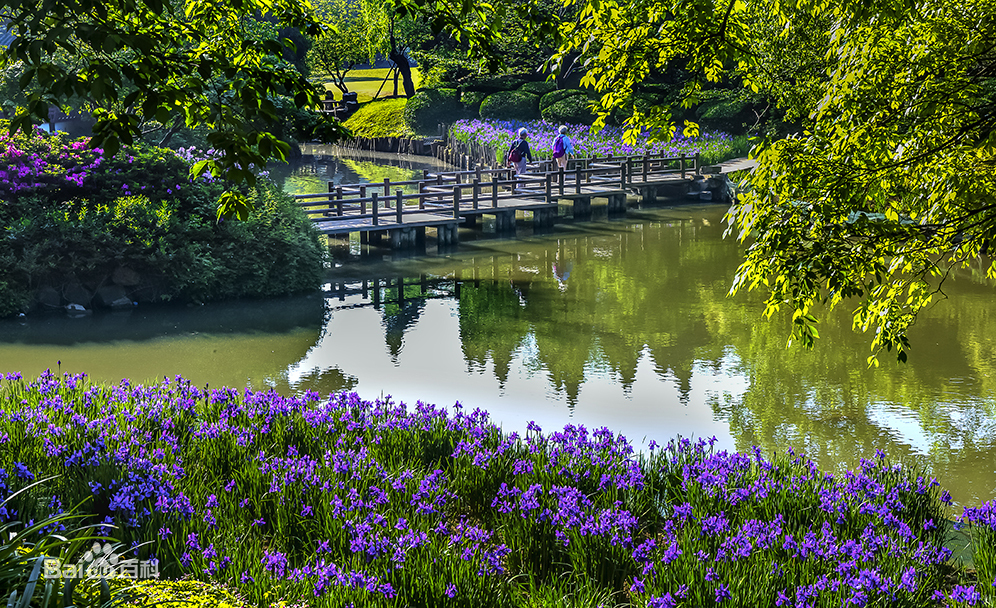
(351, 501)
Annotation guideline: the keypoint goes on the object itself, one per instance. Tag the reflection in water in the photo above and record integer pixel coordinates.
(322, 165)
(625, 324)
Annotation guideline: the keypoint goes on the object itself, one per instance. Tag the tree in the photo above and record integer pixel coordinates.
(205, 63)
(342, 45)
(886, 191)
(394, 33)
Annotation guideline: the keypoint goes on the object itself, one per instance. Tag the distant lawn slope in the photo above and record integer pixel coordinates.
(365, 84)
(380, 119)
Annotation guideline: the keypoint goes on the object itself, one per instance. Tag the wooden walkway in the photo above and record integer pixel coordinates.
(443, 201)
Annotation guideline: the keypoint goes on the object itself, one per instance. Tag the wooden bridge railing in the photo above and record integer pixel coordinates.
(486, 187)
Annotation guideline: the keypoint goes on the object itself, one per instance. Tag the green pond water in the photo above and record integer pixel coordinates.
(623, 323)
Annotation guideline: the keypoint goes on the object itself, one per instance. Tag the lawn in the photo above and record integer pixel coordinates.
(365, 83)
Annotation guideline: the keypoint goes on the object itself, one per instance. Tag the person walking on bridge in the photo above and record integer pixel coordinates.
(518, 152)
(562, 147)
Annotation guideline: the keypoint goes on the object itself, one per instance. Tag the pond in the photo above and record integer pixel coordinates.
(623, 323)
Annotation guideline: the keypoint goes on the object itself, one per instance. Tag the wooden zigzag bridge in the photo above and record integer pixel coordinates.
(403, 210)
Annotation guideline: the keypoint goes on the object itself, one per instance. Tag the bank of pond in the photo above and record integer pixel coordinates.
(333, 500)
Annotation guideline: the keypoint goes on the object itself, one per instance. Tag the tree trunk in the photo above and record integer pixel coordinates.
(395, 81)
(401, 63)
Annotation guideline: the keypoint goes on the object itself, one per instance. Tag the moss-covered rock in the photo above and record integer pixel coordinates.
(573, 109)
(511, 105)
(429, 107)
(538, 88)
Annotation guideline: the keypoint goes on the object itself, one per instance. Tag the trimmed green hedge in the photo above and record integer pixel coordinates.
(471, 102)
(429, 107)
(511, 105)
(572, 109)
(494, 84)
(538, 88)
(553, 97)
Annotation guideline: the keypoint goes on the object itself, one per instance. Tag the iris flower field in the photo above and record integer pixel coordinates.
(333, 500)
(499, 134)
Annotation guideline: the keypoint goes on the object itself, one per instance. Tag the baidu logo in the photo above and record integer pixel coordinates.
(102, 562)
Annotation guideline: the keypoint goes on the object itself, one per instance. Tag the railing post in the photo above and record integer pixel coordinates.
(698, 163)
(399, 204)
(456, 202)
(560, 180)
(682, 166)
(646, 167)
(363, 202)
(629, 168)
(338, 200)
(622, 176)
(494, 190)
(387, 187)
(577, 178)
(421, 192)
(373, 207)
(477, 189)
(549, 187)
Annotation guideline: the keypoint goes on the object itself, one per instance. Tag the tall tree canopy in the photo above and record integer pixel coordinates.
(886, 190)
(218, 64)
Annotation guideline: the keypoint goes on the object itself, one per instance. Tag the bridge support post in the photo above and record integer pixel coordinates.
(543, 218)
(505, 221)
(447, 234)
(617, 203)
(403, 238)
(582, 207)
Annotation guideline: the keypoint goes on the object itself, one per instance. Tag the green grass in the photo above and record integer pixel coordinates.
(380, 119)
(366, 82)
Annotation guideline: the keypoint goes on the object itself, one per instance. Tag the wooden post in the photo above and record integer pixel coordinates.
(456, 202)
(549, 187)
(629, 167)
(373, 207)
(577, 178)
(560, 180)
(698, 163)
(646, 167)
(421, 192)
(682, 166)
(477, 189)
(387, 187)
(399, 204)
(363, 203)
(494, 190)
(622, 176)
(338, 200)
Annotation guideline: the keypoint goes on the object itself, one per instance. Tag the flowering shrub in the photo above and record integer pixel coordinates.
(499, 134)
(349, 502)
(73, 215)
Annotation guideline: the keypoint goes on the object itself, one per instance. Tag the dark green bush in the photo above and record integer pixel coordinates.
(429, 107)
(471, 102)
(511, 105)
(494, 84)
(538, 88)
(573, 109)
(553, 97)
